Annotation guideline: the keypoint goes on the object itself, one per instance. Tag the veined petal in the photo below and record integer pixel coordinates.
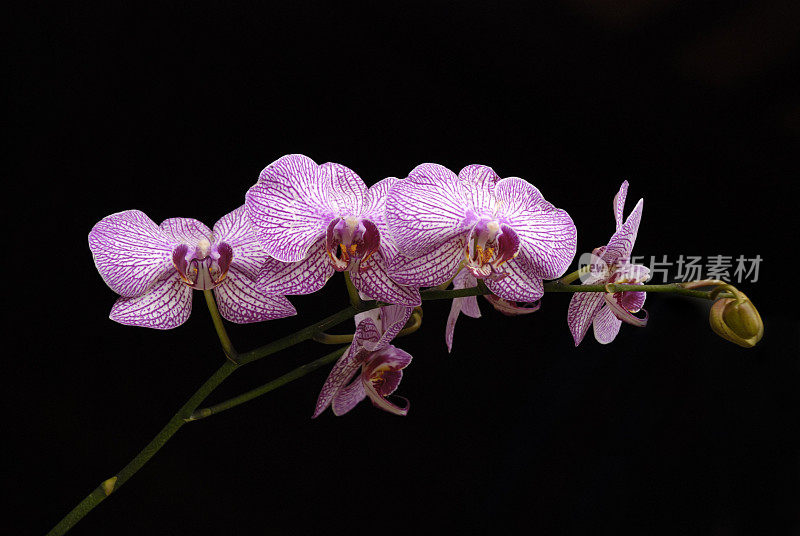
(548, 237)
(186, 231)
(632, 301)
(431, 268)
(426, 209)
(619, 203)
(234, 229)
(375, 211)
(382, 402)
(621, 244)
(367, 334)
(242, 301)
(346, 187)
(393, 319)
(479, 181)
(375, 281)
(622, 313)
(348, 397)
(130, 251)
(341, 373)
(289, 207)
(468, 305)
(583, 307)
(519, 284)
(301, 277)
(606, 325)
(165, 306)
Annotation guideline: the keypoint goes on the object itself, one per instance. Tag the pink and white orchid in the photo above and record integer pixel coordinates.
(317, 219)
(381, 364)
(155, 267)
(503, 229)
(610, 264)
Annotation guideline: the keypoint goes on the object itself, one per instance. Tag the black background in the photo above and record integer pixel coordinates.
(175, 110)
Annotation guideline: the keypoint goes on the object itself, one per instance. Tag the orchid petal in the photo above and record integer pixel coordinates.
(468, 305)
(548, 237)
(583, 308)
(341, 373)
(427, 208)
(390, 359)
(348, 397)
(166, 305)
(383, 403)
(431, 268)
(346, 188)
(375, 281)
(234, 229)
(623, 314)
(242, 301)
(393, 319)
(519, 284)
(375, 211)
(302, 277)
(619, 203)
(130, 251)
(632, 300)
(186, 231)
(606, 326)
(478, 182)
(289, 207)
(621, 244)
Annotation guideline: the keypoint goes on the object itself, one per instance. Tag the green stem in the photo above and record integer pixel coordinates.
(355, 298)
(299, 372)
(186, 412)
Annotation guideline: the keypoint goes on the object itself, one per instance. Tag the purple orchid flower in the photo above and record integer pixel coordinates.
(321, 219)
(503, 230)
(469, 305)
(610, 265)
(381, 364)
(155, 267)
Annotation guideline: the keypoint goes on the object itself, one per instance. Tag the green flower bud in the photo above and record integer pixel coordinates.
(738, 322)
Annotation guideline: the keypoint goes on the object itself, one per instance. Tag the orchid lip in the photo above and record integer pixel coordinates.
(490, 244)
(203, 267)
(350, 241)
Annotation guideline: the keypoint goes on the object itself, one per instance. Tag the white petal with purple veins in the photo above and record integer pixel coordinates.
(348, 397)
(166, 305)
(242, 301)
(431, 268)
(478, 182)
(234, 229)
(290, 207)
(619, 203)
(375, 282)
(621, 244)
(582, 309)
(346, 187)
(302, 277)
(519, 284)
(130, 251)
(187, 231)
(426, 209)
(606, 325)
(468, 305)
(341, 373)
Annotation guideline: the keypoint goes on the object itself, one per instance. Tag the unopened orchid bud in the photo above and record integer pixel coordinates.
(737, 321)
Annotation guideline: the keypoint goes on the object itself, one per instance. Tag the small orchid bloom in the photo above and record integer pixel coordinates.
(320, 219)
(381, 364)
(155, 267)
(610, 265)
(503, 229)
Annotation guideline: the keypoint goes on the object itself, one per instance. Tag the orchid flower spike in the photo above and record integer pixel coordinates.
(155, 267)
(610, 264)
(503, 229)
(381, 364)
(320, 219)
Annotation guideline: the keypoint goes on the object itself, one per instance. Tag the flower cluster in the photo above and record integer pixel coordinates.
(302, 222)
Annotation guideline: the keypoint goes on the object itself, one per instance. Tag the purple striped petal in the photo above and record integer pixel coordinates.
(632, 301)
(248, 255)
(431, 268)
(375, 211)
(478, 182)
(393, 319)
(341, 373)
(302, 277)
(548, 237)
(165, 306)
(186, 231)
(376, 283)
(242, 301)
(348, 397)
(519, 284)
(583, 307)
(427, 208)
(622, 313)
(290, 207)
(606, 326)
(621, 244)
(619, 203)
(130, 251)
(468, 305)
(346, 188)
(383, 403)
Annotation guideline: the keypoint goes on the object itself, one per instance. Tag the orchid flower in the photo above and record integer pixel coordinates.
(503, 229)
(321, 219)
(155, 267)
(381, 364)
(610, 265)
